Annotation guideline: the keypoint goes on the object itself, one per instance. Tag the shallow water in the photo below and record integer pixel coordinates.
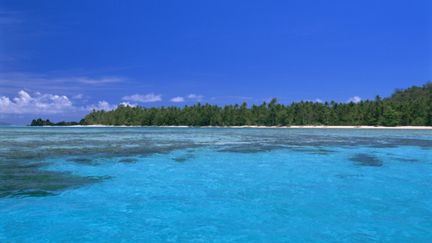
(221, 185)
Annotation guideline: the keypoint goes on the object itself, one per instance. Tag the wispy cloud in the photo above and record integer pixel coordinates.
(97, 81)
(78, 96)
(190, 97)
(177, 99)
(241, 98)
(143, 98)
(10, 17)
(354, 99)
(195, 97)
(52, 82)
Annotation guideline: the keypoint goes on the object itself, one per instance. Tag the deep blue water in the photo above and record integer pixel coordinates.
(215, 185)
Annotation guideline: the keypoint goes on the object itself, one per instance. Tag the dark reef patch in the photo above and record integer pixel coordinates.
(408, 160)
(250, 148)
(315, 140)
(83, 161)
(21, 150)
(81, 153)
(313, 150)
(128, 160)
(20, 179)
(346, 176)
(366, 160)
(22, 173)
(313, 143)
(183, 158)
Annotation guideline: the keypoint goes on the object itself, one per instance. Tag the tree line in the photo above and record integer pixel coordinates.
(41, 122)
(409, 107)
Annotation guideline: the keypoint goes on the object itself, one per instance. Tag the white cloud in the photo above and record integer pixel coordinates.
(354, 99)
(318, 100)
(177, 99)
(143, 98)
(101, 106)
(195, 97)
(39, 103)
(190, 97)
(106, 106)
(127, 104)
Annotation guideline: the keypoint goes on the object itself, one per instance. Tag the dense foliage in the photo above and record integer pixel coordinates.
(41, 122)
(405, 107)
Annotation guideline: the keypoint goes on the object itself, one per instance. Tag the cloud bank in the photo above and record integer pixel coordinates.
(45, 104)
(38, 103)
(24, 103)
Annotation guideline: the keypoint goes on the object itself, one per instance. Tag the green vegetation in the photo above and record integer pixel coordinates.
(412, 106)
(41, 122)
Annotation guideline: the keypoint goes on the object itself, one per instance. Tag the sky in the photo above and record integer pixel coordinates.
(61, 59)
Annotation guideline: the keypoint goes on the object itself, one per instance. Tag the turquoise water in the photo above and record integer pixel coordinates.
(214, 185)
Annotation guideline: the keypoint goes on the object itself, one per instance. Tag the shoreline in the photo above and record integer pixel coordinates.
(264, 127)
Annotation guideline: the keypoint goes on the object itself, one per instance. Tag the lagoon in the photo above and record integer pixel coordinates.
(107, 184)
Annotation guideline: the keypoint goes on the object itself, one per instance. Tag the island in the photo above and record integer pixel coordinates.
(408, 107)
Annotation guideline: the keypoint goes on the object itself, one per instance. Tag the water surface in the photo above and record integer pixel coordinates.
(215, 185)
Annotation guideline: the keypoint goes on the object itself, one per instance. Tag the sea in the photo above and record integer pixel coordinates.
(144, 184)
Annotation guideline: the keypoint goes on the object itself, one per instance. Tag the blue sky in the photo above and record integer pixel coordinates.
(58, 59)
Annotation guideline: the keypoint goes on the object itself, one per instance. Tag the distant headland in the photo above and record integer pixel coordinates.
(409, 107)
